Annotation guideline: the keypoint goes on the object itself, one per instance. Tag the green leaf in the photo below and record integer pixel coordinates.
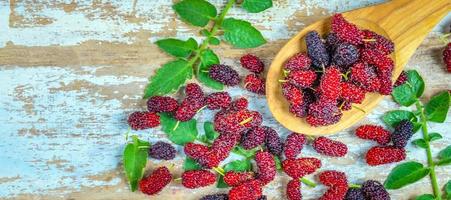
(448, 190)
(237, 166)
(205, 32)
(437, 108)
(416, 126)
(246, 153)
(208, 58)
(445, 156)
(177, 48)
(420, 143)
(135, 159)
(443, 162)
(416, 82)
(195, 12)
(241, 34)
(168, 78)
(425, 197)
(191, 164)
(405, 174)
(434, 136)
(393, 118)
(255, 6)
(214, 41)
(210, 131)
(184, 133)
(404, 95)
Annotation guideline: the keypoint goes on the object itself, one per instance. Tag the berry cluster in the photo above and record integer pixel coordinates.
(386, 152)
(338, 72)
(253, 82)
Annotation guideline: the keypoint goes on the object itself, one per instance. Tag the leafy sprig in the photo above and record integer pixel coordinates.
(195, 59)
(435, 110)
(135, 160)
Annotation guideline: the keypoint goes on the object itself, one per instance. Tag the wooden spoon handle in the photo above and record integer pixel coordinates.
(406, 22)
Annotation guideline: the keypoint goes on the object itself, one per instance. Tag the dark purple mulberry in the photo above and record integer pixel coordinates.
(253, 138)
(215, 197)
(162, 104)
(345, 54)
(316, 49)
(273, 142)
(332, 41)
(224, 74)
(354, 194)
(374, 190)
(162, 151)
(403, 132)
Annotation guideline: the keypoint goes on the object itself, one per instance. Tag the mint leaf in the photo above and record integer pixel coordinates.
(393, 118)
(434, 136)
(255, 6)
(208, 58)
(210, 131)
(177, 48)
(425, 197)
(237, 166)
(184, 133)
(135, 159)
(405, 174)
(416, 82)
(420, 143)
(168, 78)
(191, 164)
(437, 108)
(241, 34)
(445, 156)
(404, 95)
(448, 190)
(195, 12)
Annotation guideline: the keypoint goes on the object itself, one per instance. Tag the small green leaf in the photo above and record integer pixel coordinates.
(237, 166)
(210, 131)
(443, 162)
(246, 153)
(177, 48)
(221, 183)
(420, 143)
(214, 41)
(393, 118)
(404, 95)
(445, 153)
(208, 58)
(135, 159)
(191, 164)
(205, 32)
(416, 126)
(184, 133)
(168, 78)
(255, 6)
(241, 34)
(437, 108)
(434, 136)
(195, 12)
(425, 197)
(448, 190)
(416, 82)
(278, 163)
(405, 174)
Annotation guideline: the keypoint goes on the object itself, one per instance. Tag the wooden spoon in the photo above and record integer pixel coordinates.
(405, 22)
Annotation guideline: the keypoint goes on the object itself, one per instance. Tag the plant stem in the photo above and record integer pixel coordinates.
(307, 182)
(431, 164)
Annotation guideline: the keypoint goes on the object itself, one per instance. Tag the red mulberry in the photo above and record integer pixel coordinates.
(247, 191)
(272, 141)
(402, 78)
(352, 93)
(346, 31)
(239, 104)
(329, 147)
(447, 57)
(266, 167)
(330, 85)
(373, 132)
(296, 168)
(195, 151)
(293, 145)
(334, 193)
(255, 84)
(332, 178)
(193, 90)
(188, 108)
(292, 94)
(161, 104)
(302, 79)
(378, 42)
(299, 61)
(218, 100)
(237, 178)
(384, 155)
(197, 178)
(365, 76)
(294, 190)
(252, 63)
(156, 181)
(143, 120)
(253, 138)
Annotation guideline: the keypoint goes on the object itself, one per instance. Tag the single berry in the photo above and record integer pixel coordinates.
(210, 159)
(143, 120)
(266, 167)
(293, 145)
(246, 191)
(402, 134)
(334, 193)
(197, 178)
(373, 40)
(272, 141)
(188, 108)
(346, 31)
(384, 155)
(299, 61)
(352, 93)
(332, 178)
(224, 74)
(239, 104)
(302, 78)
(296, 168)
(224, 144)
(162, 151)
(330, 85)
(254, 84)
(156, 181)
(193, 90)
(218, 100)
(329, 147)
(294, 190)
(355, 194)
(215, 197)
(252, 63)
(365, 76)
(231, 121)
(383, 63)
(345, 54)
(374, 132)
(293, 94)
(233, 179)
(253, 138)
(162, 104)
(402, 78)
(447, 57)
(316, 49)
(194, 150)
(374, 190)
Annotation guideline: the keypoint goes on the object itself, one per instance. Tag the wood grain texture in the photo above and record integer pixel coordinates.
(71, 72)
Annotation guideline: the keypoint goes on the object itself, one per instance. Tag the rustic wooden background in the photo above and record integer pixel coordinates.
(72, 70)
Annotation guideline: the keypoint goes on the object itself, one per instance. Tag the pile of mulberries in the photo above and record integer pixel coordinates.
(339, 69)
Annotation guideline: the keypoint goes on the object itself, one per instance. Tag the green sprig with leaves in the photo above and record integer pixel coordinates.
(436, 111)
(195, 59)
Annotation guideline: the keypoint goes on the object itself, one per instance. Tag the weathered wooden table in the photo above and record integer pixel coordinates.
(71, 72)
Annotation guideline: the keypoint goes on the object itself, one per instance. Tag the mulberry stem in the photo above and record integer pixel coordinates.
(308, 182)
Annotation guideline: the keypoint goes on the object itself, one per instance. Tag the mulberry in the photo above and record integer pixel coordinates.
(249, 190)
(252, 63)
(374, 190)
(272, 141)
(302, 78)
(373, 132)
(402, 134)
(299, 61)
(384, 155)
(316, 49)
(253, 138)
(197, 178)
(293, 145)
(266, 167)
(215, 197)
(224, 74)
(330, 85)
(162, 151)
(379, 42)
(333, 178)
(156, 181)
(352, 93)
(233, 179)
(161, 104)
(292, 94)
(402, 78)
(345, 54)
(218, 100)
(294, 190)
(255, 84)
(188, 108)
(143, 120)
(346, 31)
(329, 147)
(194, 91)
(296, 168)
(355, 194)
(447, 57)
